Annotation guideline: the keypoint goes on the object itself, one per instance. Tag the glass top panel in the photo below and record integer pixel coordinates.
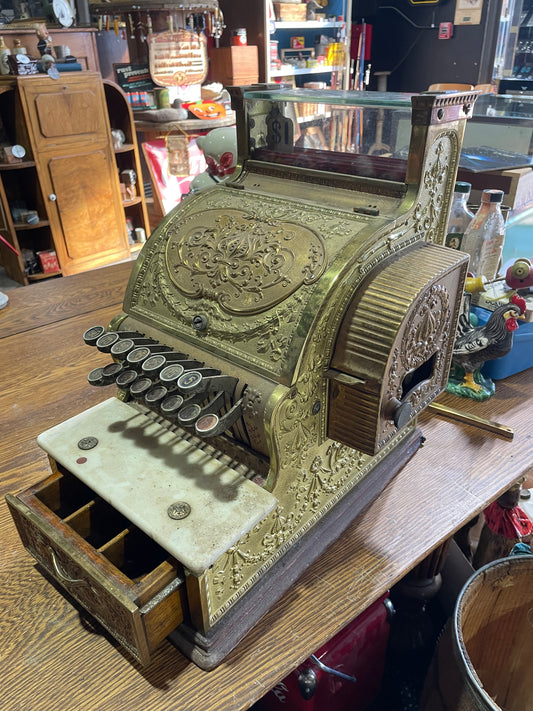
(349, 133)
(331, 96)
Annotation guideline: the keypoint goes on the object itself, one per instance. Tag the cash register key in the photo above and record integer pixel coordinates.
(92, 334)
(155, 363)
(111, 371)
(189, 380)
(155, 395)
(105, 342)
(126, 378)
(210, 424)
(95, 377)
(137, 356)
(122, 347)
(171, 373)
(206, 424)
(188, 414)
(193, 381)
(171, 404)
(139, 387)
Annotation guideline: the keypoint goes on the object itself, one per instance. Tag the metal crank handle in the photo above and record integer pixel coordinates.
(473, 420)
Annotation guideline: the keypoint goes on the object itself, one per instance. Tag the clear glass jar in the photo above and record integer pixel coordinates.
(484, 237)
(460, 216)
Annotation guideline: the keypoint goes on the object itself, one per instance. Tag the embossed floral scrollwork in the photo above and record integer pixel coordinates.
(243, 263)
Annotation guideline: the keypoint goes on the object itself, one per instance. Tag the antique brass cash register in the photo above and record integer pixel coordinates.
(281, 331)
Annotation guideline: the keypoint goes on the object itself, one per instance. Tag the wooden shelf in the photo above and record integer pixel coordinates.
(126, 148)
(135, 201)
(17, 166)
(39, 276)
(307, 25)
(307, 70)
(25, 226)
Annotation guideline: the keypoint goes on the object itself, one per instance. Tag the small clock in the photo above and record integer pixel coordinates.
(18, 151)
(63, 12)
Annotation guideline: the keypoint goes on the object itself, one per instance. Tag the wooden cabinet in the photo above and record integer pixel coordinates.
(24, 222)
(69, 175)
(127, 159)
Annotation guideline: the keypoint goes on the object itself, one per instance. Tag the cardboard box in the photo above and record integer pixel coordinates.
(49, 263)
(290, 11)
(517, 184)
(234, 66)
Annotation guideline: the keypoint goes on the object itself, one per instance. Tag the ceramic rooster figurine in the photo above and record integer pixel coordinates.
(474, 345)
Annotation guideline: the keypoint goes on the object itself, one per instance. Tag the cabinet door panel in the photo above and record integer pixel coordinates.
(63, 115)
(85, 210)
(66, 112)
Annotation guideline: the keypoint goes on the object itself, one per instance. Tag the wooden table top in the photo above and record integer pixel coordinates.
(50, 660)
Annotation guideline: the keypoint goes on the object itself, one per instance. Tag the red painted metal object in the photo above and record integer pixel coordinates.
(345, 674)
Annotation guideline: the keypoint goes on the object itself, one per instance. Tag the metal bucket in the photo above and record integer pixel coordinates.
(483, 659)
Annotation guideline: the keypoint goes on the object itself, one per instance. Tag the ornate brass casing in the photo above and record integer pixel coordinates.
(316, 279)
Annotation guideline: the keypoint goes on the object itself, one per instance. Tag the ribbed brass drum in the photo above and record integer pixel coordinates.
(483, 660)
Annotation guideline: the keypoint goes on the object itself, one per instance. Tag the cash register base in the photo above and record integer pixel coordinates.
(207, 650)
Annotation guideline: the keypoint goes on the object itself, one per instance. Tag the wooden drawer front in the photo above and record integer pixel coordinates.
(114, 611)
(138, 612)
(65, 112)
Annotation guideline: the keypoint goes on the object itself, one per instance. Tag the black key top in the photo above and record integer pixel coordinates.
(153, 364)
(140, 387)
(123, 346)
(155, 395)
(95, 377)
(126, 378)
(111, 371)
(105, 342)
(92, 334)
(188, 414)
(171, 404)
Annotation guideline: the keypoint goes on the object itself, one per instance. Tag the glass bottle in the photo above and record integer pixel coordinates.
(4, 54)
(18, 48)
(460, 216)
(484, 237)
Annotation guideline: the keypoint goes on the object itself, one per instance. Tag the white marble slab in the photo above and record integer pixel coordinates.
(141, 468)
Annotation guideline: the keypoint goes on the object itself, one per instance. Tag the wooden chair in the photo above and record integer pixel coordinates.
(486, 88)
(450, 87)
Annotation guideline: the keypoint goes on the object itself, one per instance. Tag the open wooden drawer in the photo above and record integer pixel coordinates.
(122, 577)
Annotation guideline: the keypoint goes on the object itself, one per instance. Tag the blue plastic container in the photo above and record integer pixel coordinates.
(519, 358)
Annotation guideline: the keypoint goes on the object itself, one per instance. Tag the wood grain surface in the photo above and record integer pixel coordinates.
(51, 658)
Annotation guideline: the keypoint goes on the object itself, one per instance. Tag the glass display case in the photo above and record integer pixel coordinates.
(499, 136)
(350, 133)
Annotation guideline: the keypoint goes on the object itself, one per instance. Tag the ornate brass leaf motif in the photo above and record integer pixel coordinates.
(244, 264)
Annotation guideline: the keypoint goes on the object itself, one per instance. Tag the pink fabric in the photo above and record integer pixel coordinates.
(510, 523)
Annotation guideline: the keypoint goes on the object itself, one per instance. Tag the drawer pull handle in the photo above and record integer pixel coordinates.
(60, 574)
